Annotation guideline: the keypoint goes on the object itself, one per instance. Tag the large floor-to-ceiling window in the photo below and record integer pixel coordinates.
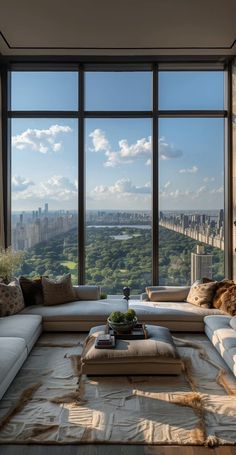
(118, 173)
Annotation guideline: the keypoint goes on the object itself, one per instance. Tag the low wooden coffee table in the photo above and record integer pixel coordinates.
(155, 355)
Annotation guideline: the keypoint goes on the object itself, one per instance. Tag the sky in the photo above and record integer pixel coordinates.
(118, 151)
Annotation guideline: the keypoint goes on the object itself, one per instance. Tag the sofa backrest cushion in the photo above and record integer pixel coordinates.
(233, 322)
(11, 298)
(202, 294)
(32, 290)
(57, 292)
(169, 294)
(85, 292)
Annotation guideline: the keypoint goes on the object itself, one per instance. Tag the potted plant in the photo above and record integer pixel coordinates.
(10, 261)
(122, 322)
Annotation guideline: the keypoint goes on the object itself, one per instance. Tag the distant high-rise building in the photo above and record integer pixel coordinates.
(201, 264)
(46, 208)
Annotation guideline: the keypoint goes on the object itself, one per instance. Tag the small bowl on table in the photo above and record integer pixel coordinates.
(122, 327)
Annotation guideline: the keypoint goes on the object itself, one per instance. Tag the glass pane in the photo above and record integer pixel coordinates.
(44, 90)
(191, 174)
(118, 196)
(45, 195)
(191, 90)
(122, 91)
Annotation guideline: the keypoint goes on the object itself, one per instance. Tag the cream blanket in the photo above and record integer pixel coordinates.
(49, 402)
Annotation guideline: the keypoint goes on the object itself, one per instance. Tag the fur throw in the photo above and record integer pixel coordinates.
(228, 300)
(222, 287)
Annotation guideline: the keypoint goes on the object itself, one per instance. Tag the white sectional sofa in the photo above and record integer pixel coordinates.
(172, 311)
(223, 337)
(19, 333)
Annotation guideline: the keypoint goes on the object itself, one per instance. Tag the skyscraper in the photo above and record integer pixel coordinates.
(201, 264)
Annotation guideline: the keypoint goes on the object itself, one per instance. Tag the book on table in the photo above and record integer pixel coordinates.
(105, 341)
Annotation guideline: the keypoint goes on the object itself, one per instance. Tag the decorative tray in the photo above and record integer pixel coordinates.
(139, 332)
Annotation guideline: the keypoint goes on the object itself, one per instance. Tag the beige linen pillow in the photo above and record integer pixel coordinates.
(169, 295)
(202, 294)
(11, 298)
(57, 292)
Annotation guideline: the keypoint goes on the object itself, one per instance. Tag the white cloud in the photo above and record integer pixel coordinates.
(123, 186)
(99, 140)
(217, 190)
(56, 188)
(177, 194)
(142, 147)
(168, 151)
(42, 140)
(21, 183)
(126, 152)
(167, 184)
(209, 179)
(191, 170)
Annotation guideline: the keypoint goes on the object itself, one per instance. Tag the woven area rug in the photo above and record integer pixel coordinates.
(49, 402)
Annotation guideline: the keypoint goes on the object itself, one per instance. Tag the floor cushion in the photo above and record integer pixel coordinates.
(155, 355)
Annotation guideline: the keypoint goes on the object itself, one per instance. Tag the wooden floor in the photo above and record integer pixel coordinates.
(112, 450)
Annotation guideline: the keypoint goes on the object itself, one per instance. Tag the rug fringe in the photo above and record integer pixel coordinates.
(212, 441)
(220, 378)
(194, 401)
(23, 400)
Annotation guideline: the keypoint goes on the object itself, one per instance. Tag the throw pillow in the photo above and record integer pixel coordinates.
(174, 294)
(233, 322)
(57, 292)
(201, 294)
(11, 298)
(229, 300)
(32, 290)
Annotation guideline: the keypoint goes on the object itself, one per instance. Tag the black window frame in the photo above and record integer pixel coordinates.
(155, 114)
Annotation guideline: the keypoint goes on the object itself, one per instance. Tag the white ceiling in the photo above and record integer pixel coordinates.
(121, 27)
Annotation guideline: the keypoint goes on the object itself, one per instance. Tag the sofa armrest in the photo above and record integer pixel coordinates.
(84, 292)
(144, 297)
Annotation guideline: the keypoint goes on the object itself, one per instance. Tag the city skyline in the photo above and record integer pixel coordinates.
(30, 228)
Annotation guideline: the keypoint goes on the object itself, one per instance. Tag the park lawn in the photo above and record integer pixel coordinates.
(70, 264)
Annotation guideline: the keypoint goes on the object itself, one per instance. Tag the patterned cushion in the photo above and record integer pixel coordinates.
(11, 298)
(56, 292)
(32, 291)
(202, 294)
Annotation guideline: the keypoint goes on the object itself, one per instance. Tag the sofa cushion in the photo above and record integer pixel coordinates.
(223, 337)
(85, 292)
(168, 294)
(94, 310)
(28, 327)
(58, 292)
(13, 353)
(11, 298)
(171, 311)
(201, 294)
(232, 322)
(32, 290)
